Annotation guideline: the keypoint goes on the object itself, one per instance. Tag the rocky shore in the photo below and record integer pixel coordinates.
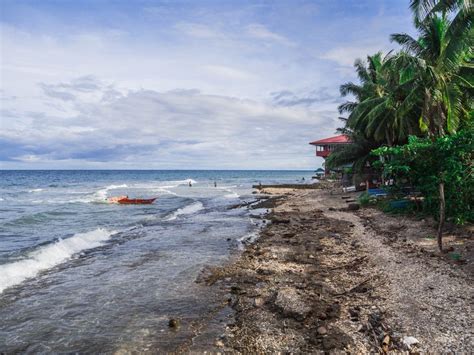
(324, 279)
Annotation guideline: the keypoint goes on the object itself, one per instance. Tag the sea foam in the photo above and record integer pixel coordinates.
(101, 194)
(49, 256)
(189, 209)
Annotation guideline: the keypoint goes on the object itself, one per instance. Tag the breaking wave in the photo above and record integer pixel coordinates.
(49, 256)
(101, 195)
(189, 209)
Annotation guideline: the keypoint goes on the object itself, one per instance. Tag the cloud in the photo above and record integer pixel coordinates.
(306, 98)
(198, 30)
(54, 91)
(178, 128)
(179, 84)
(228, 72)
(346, 55)
(261, 32)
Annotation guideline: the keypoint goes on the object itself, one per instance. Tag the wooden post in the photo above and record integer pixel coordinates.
(442, 215)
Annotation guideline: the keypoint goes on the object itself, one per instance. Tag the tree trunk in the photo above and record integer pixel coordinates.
(442, 207)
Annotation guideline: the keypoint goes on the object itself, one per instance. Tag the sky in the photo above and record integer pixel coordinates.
(203, 84)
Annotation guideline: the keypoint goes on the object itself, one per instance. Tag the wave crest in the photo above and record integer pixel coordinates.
(189, 209)
(49, 256)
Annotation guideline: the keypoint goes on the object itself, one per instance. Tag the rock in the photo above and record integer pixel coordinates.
(409, 341)
(235, 289)
(353, 206)
(322, 330)
(322, 316)
(258, 302)
(219, 343)
(291, 303)
(174, 323)
(333, 310)
(280, 220)
(264, 272)
(288, 235)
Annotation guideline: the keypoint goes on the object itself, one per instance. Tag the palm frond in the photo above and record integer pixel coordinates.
(348, 106)
(351, 89)
(407, 42)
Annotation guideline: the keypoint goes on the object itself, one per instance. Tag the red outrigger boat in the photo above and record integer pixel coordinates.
(124, 200)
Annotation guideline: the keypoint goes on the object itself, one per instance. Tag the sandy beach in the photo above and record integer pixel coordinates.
(321, 278)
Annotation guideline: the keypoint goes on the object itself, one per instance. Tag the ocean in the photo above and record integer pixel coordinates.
(78, 274)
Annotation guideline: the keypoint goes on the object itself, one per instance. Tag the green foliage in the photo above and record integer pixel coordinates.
(424, 163)
(426, 89)
(365, 199)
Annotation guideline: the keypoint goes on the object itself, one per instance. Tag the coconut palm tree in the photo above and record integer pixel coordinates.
(376, 113)
(439, 67)
(439, 64)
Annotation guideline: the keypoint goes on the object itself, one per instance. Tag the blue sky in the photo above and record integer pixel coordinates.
(180, 84)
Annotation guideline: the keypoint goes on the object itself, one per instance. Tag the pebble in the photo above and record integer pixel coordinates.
(219, 343)
(258, 302)
(322, 330)
(174, 323)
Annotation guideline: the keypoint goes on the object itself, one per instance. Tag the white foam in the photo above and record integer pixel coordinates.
(35, 190)
(232, 194)
(102, 193)
(189, 209)
(50, 255)
(166, 191)
(247, 239)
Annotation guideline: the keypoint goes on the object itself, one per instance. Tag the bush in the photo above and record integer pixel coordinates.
(423, 164)
(365, 199)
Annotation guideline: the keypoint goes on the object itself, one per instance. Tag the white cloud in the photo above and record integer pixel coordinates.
(178, 84)
(346, 55)
(198, 30)
(228, 72)
(261, 32)
(167, 129)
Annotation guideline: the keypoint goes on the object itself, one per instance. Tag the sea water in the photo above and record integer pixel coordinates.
(78, 274)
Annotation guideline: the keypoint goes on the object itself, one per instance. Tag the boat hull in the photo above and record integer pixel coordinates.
(136, 201)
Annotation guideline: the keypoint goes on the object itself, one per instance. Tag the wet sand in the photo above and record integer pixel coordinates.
(324, 279)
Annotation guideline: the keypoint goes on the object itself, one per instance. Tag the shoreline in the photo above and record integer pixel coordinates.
(320, 278)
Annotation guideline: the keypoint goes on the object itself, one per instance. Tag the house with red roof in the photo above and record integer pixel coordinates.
(325, 146)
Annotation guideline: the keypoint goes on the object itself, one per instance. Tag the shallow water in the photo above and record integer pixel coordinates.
(78, 274)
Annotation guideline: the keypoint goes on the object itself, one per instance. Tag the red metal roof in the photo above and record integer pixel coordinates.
(333, 140)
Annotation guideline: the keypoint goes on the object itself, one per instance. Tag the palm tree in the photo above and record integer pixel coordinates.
(439, 67)
(377, 112)
(439, 63)
(358, 153)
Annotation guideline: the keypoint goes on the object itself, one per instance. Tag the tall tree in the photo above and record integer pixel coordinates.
(439, 66)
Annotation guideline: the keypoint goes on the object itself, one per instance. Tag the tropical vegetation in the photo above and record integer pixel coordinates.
(413, 109)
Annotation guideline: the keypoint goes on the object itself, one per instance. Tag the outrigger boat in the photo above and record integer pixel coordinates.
(124, 200)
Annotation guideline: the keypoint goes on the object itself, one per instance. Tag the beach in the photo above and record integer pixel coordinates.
(321, 278)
